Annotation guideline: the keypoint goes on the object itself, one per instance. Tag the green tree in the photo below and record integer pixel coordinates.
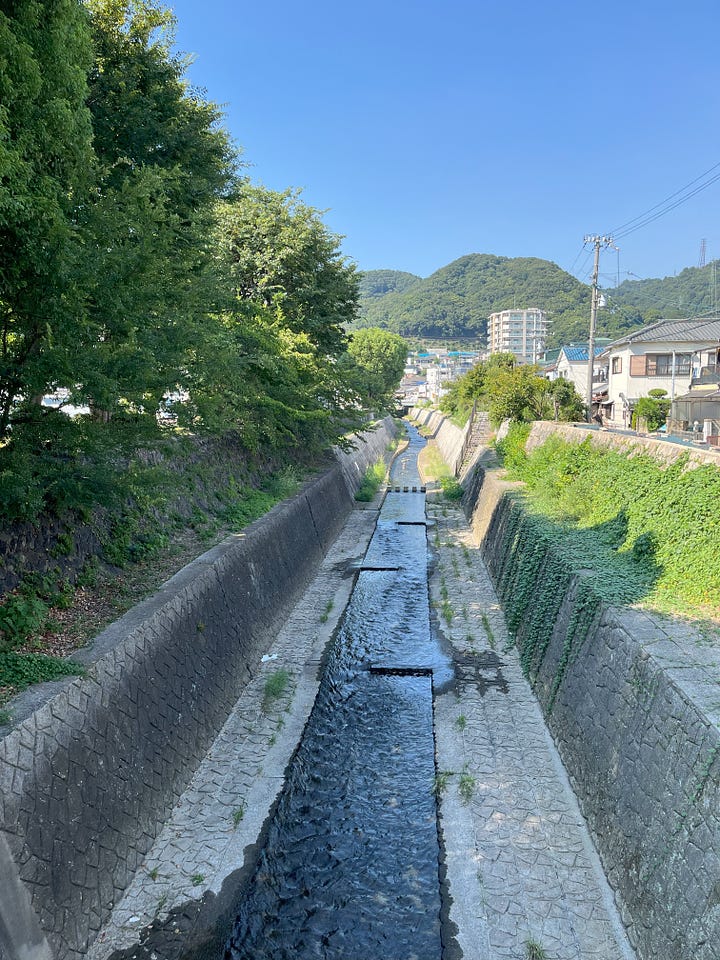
(379, 358)
(269, 364)
(516, 393)
(279, 251)
(653, 409)
(46, 162)
(567, 404)
(148, 271)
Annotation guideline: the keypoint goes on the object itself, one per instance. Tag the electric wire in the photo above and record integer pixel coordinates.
(668, 204)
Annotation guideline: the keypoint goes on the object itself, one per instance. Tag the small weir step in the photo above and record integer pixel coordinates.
(401, 671)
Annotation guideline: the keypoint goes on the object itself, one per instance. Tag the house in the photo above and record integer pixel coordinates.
(663, 355)
(572, 365)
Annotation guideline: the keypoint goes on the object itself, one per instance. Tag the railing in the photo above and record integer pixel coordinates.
(708, 375)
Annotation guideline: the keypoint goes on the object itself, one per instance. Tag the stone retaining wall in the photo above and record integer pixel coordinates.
(632, 444)
(88, 778)
(633, 703)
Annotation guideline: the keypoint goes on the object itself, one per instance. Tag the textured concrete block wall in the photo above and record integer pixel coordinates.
(451, 441)
(87, 780)
(635, 718)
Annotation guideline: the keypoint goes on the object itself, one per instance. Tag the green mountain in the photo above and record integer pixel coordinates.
(692, 292)
(376, 283)
(457, 299)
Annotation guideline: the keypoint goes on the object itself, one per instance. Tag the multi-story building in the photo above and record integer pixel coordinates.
(520, 332)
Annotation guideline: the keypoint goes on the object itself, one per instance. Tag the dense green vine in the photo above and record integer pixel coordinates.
(645, 529)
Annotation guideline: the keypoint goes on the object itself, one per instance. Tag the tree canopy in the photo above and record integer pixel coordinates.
(379, 359)
(141, 273)
(512, 391)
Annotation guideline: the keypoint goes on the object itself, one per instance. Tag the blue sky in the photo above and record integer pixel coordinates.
(432, 130)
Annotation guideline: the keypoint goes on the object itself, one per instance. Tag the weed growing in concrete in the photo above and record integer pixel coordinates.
(488, 630)
(446, 609)
(237, 816)
(326, 613)
(534, 950)
(466, 555)
(161, 903)
(275, 686)
(456, 566)
(443, 589)
(196, 879)
(451, 488)
(153, 874)
(370, 484)
(466, 786)
(465, 613)
(461, 722)
(440, 782)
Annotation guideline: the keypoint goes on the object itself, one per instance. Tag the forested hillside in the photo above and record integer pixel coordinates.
(455, 301)
(376, 283)
(692, 292)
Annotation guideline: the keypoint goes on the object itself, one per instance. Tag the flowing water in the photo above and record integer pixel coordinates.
(349, 867)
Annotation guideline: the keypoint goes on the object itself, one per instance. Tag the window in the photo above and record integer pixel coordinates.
(660, 365)
(617, 364)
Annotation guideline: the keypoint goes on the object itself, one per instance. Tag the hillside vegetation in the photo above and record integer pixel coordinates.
(376, 283)
(455, 301)
(692, 292)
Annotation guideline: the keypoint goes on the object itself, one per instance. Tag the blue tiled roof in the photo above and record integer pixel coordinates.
(575, 354)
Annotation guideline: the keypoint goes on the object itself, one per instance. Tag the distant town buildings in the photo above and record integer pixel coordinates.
(428, 371)
(520, 332)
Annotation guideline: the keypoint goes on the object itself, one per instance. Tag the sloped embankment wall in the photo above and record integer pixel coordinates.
(632, 702)
(449, 437)
(87, 780)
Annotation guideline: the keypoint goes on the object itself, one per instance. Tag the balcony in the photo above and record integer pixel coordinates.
(708, 376)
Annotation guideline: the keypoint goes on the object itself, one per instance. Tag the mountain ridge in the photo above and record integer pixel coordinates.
(455, 300)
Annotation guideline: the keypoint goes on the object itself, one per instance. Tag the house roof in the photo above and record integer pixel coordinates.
(576, 354)
(674, 330)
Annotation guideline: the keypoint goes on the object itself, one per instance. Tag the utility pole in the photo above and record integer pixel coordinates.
(598, 242)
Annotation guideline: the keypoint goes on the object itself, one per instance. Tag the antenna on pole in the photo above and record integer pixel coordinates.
(597, 242)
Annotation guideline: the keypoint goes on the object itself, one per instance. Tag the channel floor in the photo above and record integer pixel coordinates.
(521, 876)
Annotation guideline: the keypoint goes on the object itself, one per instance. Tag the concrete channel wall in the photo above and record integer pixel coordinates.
(449, 437)
(632, 703)
(88, 778)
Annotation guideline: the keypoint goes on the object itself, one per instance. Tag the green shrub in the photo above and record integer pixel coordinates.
(370, 483)
(451, 489)
(20, 670)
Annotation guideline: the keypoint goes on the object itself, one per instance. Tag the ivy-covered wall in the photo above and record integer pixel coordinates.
(632, 703)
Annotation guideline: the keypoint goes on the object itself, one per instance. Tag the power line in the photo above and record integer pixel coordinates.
(669, 203)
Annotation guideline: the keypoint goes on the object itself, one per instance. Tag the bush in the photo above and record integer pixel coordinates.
(370, 484)
(451, 489)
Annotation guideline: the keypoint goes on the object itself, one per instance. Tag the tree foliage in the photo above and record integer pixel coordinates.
(379, 358)
(512, 391)
(46, 161)
(140, 272)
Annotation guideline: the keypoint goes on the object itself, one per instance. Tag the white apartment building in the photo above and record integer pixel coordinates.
(520, 332)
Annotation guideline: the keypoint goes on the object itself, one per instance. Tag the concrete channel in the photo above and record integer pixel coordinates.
(397, 796)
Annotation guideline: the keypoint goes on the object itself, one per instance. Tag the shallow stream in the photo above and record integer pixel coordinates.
(349, 867)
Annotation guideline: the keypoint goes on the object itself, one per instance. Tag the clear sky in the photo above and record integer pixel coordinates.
(432, 130)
